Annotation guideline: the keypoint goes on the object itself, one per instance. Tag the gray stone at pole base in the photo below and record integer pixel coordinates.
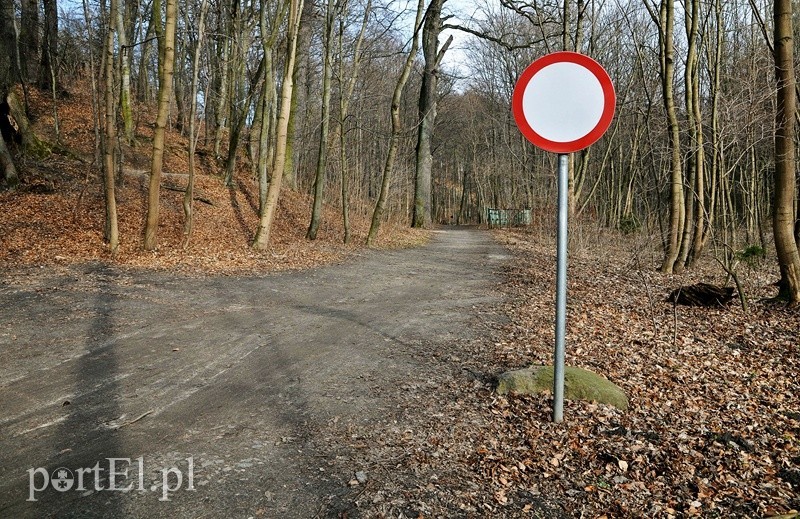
(579, 384)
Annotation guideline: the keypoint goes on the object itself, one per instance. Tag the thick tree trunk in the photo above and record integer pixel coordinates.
(427, 112)
(785, 161)
(29, 40)
(167, 61)
(8, 173)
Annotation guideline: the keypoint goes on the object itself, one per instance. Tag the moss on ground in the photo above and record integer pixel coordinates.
(579, 384)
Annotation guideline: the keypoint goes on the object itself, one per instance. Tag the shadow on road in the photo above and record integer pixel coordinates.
(86, 440)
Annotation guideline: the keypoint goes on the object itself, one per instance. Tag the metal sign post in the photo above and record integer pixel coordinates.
(561, 289)
(563, 102)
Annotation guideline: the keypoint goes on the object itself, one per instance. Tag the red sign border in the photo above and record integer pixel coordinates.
(609, 99)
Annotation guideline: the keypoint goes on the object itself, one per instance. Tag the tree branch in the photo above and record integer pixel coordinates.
(440, 54)
(487, 37)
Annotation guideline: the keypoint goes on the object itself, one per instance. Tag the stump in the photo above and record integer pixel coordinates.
(702, 294)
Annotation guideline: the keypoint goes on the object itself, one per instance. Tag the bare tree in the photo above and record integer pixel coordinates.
(665, 19)
(166, 62)
(332, 9)
(111, 231)
(428, 98)
(391, 154)
(267, 211)
(188, 197)
(345, 95)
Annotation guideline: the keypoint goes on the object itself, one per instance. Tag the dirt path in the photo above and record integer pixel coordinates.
(258, 381)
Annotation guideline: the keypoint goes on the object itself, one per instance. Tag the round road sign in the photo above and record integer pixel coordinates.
(563, 102)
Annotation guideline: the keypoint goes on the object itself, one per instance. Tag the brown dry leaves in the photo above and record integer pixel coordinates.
(714, 424)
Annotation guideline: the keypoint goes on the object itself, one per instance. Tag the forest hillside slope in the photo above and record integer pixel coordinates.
(56, 215)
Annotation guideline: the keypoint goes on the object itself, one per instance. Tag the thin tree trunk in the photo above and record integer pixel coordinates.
(299, 97)
(269, 95)
(324, 127)
(125, 75)
(29, 40)
(167, 61)
(143, 77)
(48, 69)
(95, 93)
(222, 92)
(345, 94)
(268, 98)
(188, 198)
(111, 227)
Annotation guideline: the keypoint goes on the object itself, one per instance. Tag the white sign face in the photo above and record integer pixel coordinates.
(563, 102)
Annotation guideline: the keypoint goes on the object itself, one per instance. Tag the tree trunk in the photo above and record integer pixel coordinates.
(324, 127)
(694, 235)
(785, 162)
(676, 207)
(188, 198)
(344, 102)
(48, 70)
(8, 173)
(29, 40)
(222, 90)
(125, 76)
(268, 99)
(143, 75)
(111, 231)
(267, 212)
(166, 63)
(427, 112)
(298, 94)
(239, 98)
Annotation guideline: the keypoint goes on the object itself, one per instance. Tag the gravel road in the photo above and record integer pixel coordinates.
(233, 390)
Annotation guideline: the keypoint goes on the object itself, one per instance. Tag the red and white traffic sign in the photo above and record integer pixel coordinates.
(563, 102)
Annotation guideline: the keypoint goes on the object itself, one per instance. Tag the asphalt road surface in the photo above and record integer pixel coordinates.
(140, 394)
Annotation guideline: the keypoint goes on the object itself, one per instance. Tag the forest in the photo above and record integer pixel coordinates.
(160, 160)
(358, 106)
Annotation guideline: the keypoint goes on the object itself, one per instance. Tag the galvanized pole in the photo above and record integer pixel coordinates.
(561, 289)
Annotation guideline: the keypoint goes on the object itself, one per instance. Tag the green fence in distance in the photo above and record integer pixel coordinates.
(508, 217)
